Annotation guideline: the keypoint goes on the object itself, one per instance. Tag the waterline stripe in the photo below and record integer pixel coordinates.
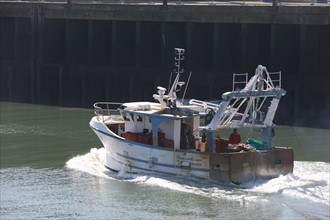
(162, 164)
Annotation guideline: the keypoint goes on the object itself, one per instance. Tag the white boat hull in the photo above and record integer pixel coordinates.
(134, 157)
(143, 158)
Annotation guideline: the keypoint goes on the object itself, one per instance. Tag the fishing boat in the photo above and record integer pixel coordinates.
(169, 137)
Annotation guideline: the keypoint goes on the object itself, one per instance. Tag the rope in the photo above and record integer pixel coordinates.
(248, 135)
(186, 86)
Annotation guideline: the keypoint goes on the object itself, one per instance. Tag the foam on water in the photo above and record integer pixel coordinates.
(91, 163)
(309, 183)
(310, 180)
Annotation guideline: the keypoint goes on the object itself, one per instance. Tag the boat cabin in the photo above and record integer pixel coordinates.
(150, 123)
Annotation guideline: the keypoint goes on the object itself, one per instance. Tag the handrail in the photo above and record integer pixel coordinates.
(204, 104)
(278, 81)
(102, 109)
(238, 78)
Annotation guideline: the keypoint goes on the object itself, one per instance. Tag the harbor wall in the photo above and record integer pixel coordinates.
(78, 54)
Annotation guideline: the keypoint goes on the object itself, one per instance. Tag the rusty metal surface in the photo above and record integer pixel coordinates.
(243, 167)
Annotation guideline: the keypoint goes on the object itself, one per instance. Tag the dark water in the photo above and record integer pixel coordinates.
(43, 136)
(51, 168)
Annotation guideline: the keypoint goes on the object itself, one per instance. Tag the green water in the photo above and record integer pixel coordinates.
(43, 136)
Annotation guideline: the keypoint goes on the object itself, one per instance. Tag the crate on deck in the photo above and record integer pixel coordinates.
(166, 143)
(130, 136)
(221, 145)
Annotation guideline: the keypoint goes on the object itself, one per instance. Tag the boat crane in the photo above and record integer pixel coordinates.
(238, 108)
(248, 107)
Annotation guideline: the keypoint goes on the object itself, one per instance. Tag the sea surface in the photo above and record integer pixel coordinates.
(51, 169)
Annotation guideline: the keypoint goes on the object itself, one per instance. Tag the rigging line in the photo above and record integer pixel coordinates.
(262, 103)
(269, 83)
(250, 133)
(230, 110)
(235, 110)
(169, 83)
(186, 85)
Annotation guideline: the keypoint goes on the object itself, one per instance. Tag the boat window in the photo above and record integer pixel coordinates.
(125, 118)
(139, 118)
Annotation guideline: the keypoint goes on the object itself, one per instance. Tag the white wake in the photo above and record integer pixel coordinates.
(306, 188)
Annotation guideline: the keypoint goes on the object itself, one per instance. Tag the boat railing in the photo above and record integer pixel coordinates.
(105, 109)
(276, 78)
(239, 79)
(204, 104)
(273, 79)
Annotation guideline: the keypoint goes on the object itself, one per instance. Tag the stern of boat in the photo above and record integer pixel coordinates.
(243, 167)
(273, 163)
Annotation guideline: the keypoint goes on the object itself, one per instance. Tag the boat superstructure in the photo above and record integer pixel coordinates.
(171, 138)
